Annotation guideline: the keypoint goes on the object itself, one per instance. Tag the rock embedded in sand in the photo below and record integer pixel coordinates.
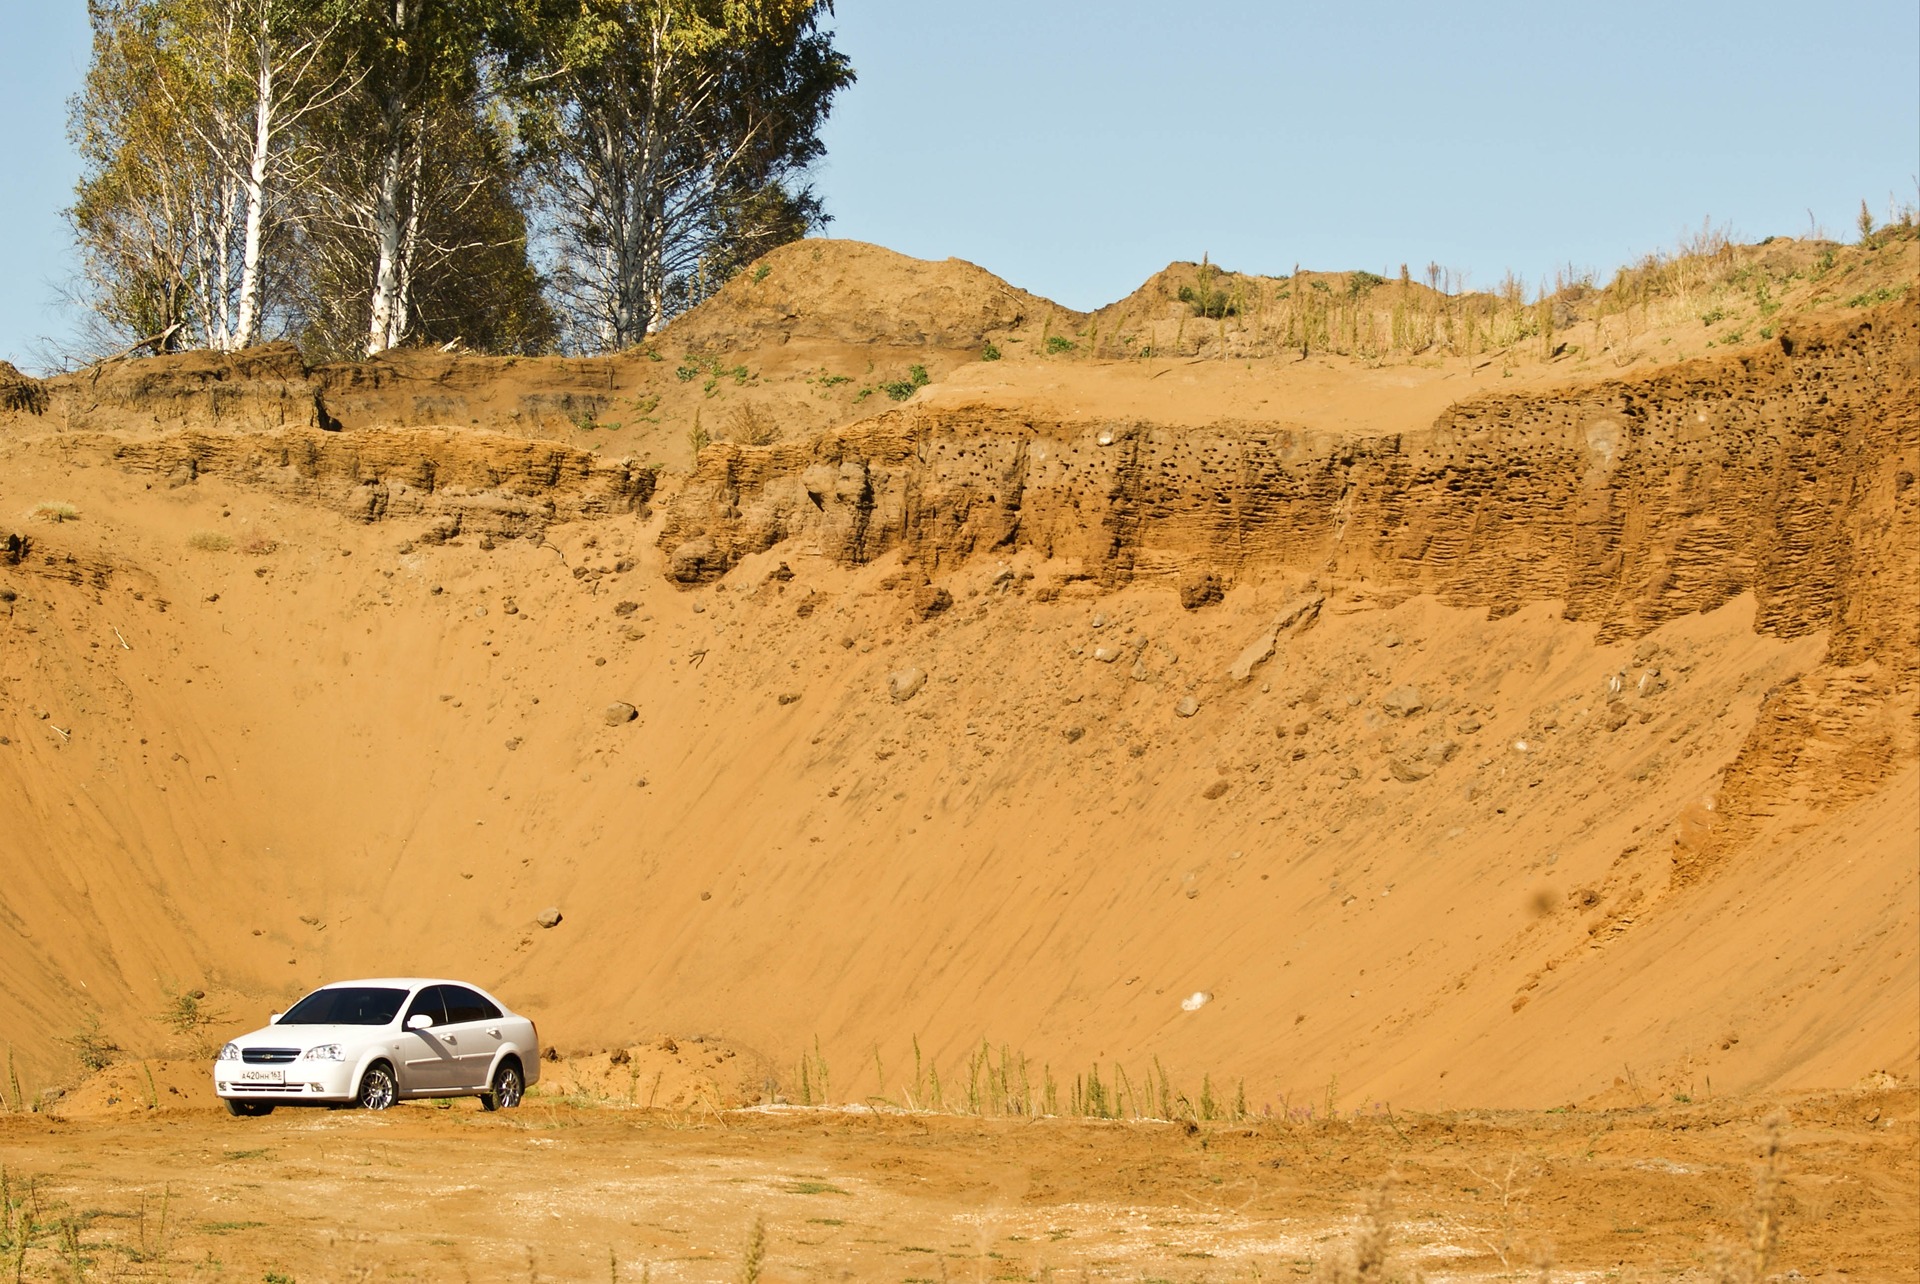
(929, 601)
(1404, 702)
(1187, 707)
(693, 560)
(548, 917)
(619, 713)
(1201, 590)
(1106, 654)
(904, 684)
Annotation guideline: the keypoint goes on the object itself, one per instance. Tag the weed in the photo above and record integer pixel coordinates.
(1734, 1266)
(94, 1049)
(754, 1257)
(989, 352)
(1059, 343)
(697, 437)
(56, 511)
(210, 541)
(1712, 316)
(190, 1015)
(752, 425)
(1865, 223)
(687, 373)
(901, 389)
(760, 273)
(1884, 294)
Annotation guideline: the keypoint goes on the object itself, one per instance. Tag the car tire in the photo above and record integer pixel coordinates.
(378, 1088)
(509, 1086)
(248, 1109)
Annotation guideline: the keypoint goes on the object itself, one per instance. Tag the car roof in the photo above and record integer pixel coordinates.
(399, 982)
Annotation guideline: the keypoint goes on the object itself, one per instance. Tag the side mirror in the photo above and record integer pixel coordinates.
(419, 1021)
(273, 1018)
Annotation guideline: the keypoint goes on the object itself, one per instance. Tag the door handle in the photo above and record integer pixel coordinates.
(494, 1033)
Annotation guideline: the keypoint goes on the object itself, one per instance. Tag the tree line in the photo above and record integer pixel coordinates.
(514, 175)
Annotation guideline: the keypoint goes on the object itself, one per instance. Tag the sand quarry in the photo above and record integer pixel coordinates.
(985, 791)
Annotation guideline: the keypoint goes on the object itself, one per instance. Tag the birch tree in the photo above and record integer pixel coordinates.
(665, 135)
(415, 65)
(188, 123)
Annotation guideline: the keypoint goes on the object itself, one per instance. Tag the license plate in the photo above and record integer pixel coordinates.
(263, 1076)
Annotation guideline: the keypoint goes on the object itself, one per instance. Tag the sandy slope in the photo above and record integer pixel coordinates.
(283, 705)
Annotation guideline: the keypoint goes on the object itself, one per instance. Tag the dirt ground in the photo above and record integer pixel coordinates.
(560, 1190)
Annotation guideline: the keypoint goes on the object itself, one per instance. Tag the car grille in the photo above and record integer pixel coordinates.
(268, 1056)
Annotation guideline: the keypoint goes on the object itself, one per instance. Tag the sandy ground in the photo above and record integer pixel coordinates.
(560, 1191)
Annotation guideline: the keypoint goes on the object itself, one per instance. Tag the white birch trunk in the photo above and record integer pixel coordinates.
(246, 329)
(387, 231)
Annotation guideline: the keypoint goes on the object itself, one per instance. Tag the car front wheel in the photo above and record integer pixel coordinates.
(248, 1109)
(377, 1087)
(508, 1088)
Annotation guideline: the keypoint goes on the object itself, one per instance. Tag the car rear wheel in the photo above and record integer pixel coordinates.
(508, 1088)
(378, 1090)
(248, 1109)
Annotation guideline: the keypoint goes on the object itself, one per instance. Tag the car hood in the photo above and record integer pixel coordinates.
(309, 1036)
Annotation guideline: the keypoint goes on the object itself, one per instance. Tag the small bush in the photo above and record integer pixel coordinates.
(56, 511)
(901, 389)
(1057, 343)
(989, 352)
(209, 541)
(91, 1045)
(190, 1015)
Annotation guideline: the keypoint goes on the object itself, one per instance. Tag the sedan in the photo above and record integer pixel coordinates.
(372, 1043)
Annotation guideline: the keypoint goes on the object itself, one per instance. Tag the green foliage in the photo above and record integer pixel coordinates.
(680, 133)
(989, 351)
(1361, 284)
(1713, 315)
(1865, 223)
(1209, 296)
(901, 389)
(1058, 343)
(91, 1045)
(1882, 294)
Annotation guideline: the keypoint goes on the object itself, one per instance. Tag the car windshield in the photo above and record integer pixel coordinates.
(347, 1005)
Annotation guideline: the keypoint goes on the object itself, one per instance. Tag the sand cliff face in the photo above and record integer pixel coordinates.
(1464, 757)
(1786, 472)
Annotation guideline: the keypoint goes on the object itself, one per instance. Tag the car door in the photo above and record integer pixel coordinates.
(430, 1059)
(473, 1028)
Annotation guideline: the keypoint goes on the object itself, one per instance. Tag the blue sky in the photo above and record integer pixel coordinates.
(1076, 149)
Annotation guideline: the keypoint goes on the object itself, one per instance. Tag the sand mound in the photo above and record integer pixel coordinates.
(851, 292)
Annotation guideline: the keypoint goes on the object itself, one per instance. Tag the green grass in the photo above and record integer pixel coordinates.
(901, 389)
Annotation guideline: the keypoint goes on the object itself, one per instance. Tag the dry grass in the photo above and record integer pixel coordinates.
(1706, 280)
(209, 541)
(55, 510)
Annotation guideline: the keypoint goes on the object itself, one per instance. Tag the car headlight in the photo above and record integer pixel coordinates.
(325, 1052)
(230, 1053)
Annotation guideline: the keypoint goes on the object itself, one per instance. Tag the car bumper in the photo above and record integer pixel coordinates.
(301, 1081)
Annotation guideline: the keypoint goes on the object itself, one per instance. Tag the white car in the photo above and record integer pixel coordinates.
(372, 1043)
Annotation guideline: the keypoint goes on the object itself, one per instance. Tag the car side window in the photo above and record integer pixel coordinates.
(431, 1001)
(464, 1005)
